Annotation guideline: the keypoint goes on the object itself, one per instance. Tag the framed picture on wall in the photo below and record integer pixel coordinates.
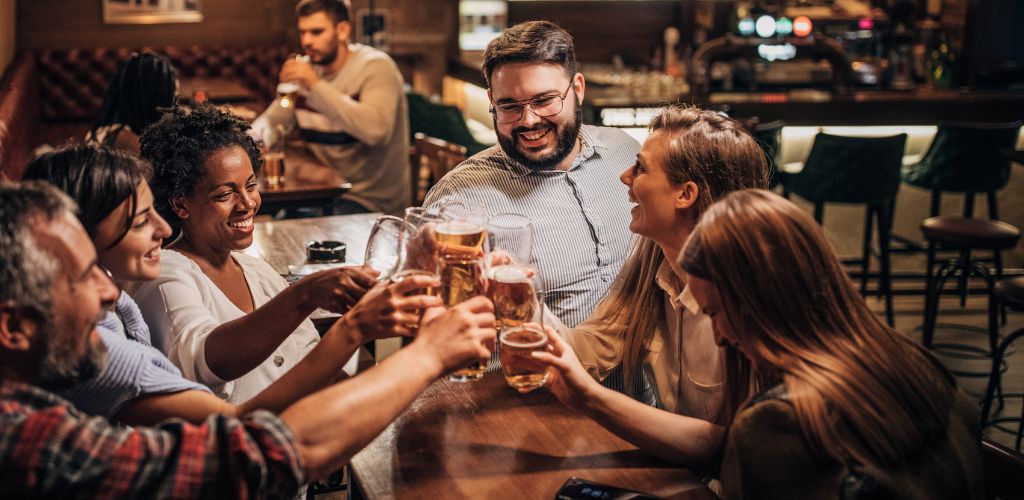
(151, 11)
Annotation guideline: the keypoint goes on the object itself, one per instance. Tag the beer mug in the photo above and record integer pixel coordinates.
(383, 252)
(509, 237)
(460, 236)
(288, 91)
(521, 333)
(417, 251)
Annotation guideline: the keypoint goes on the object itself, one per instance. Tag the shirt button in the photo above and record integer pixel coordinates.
(278, 360)
(606, 277)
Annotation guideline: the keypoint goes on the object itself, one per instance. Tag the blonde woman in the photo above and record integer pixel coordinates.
(649, 330)
(847, 406)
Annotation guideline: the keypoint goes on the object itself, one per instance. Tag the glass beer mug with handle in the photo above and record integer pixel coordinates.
(287, 92)
(383, 249)
(460, 238)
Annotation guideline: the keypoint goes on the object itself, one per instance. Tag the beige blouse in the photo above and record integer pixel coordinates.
(687, 365)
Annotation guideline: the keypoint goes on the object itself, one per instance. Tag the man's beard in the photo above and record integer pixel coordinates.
(564, 144)
(328, 58)
(62, 368)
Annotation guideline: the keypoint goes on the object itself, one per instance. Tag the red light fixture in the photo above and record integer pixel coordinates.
(802, 26)
(865, 23)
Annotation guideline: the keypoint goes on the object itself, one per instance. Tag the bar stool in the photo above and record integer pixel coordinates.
(856, 170)
(965, 158)
(1011, 293)
(964, 234)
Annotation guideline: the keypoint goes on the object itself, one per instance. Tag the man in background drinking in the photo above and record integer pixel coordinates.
(348, 103)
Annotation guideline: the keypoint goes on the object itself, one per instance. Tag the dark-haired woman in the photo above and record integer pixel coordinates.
(144, 84)
(140, 386)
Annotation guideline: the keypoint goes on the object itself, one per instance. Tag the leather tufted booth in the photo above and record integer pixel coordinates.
(73, 81)
(19, 115)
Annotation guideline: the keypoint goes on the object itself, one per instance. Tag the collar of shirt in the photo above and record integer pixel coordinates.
(669, 282)
(588, 150)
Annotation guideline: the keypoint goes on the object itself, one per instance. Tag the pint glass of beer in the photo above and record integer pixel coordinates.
(273, 159)
(521, 333)
(404, 274)
(460, 238)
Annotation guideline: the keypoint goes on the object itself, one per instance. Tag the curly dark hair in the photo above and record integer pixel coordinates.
(179, 145)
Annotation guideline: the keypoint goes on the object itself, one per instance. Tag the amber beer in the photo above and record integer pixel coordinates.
(513, 294)
(273, 169)
(522, 372)
(462, 277)
(287, 92)
(409, 273)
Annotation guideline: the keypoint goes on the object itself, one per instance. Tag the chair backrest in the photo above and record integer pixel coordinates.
(431, 159)
(967, 157)
(844, 169)
(769, 137)
(441, 121)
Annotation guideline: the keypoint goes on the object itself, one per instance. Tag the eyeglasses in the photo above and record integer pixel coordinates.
(543, 106)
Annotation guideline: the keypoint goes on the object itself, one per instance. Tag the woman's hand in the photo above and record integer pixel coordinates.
(338, 289)
(567, 378)
(389, 309)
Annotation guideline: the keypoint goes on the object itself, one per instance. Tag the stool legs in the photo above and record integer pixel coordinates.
(994, 384)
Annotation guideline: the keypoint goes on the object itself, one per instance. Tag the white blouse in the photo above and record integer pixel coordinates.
(183, 306)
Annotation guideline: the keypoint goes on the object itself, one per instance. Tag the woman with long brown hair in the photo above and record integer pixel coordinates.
(846, 406)
(649, 331)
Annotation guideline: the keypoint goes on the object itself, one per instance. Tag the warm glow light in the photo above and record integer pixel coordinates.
(765, 26)
(865, 23)
(802, 26)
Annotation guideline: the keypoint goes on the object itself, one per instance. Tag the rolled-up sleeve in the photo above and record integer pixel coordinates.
(53, 453)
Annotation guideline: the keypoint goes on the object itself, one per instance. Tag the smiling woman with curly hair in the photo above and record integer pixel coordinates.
(210, 297)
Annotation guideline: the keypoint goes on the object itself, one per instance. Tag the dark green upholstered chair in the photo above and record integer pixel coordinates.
(440, 121)
(855, 170)
(769, 137)
(965, 158)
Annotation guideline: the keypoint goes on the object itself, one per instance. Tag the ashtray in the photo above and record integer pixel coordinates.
(325, 251)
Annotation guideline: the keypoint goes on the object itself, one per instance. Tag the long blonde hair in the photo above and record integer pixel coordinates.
(718, 155)
(798, 316)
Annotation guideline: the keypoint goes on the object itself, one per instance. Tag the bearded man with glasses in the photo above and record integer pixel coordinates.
(550, 167)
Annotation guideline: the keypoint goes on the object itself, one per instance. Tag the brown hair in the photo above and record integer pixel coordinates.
(531, 42)
(799, 317)
(337, 10)
(718, 155)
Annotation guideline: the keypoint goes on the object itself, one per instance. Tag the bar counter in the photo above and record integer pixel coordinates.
(921, 106)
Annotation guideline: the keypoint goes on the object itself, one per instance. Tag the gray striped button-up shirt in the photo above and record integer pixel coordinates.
(580, 216)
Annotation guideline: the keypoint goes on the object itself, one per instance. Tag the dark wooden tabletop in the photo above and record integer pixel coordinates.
(283, 242)
(484, 440)
(218, 90)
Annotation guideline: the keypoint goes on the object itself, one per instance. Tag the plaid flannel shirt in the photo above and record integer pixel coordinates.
(48, 449)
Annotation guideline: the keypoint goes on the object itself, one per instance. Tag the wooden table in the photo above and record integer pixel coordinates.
(283, 242)
(484, 440)
(308, 184)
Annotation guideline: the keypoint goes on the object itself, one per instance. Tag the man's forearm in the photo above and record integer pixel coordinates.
(334, 424)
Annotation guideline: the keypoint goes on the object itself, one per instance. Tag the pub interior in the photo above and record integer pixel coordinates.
(531, 248)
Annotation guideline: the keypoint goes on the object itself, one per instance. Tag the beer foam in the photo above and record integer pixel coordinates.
(458, 228)
(512, 274)
(543, 340)
(287, 87)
